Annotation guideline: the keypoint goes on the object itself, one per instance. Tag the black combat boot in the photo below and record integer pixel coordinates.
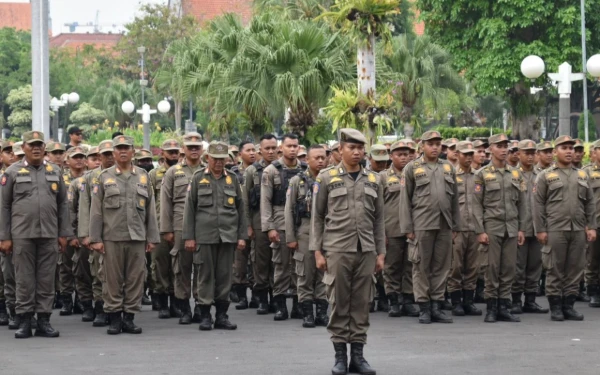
(233, 294)
(186, 312)
(542, 290)
(296, 309)
(582, 296)
(205, 318)
(321, 319)
(445, 304)
(196, 317)
(341, 359)
(372, 306)
(100, 316)
(567, 307)
(116, 323)
(254, 300)
(88, 311)
(425, 313)
(395, 311)
(491, 315)
(457, 306)
(468, 305)
(44, 329)
(594, 293)
(24, 331)
(242, 297)
(67, 302)
(358, 363)
(272, 302)
(78, 307)
(128, 324)
(517, 304)
(15, 320)
(163, 306)
(408, 307)
(437, 315)
(308, 314)
(263, 302)
(174, 307)
(3, 314)
(531, 307)
(504, 314)
(221, 318)
(556, 312)
(145, 299)
(156, 303)
(58, 301)
(479, 288)
(282, 311)
(382, 301)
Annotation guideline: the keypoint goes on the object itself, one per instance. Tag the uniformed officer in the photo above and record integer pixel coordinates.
(545, 155)
(479, 160)
(479, 155)
(123, 227)
(336, 156)
(95, 258)
(162, 270)
(241, 276)
(214, 223)
(275, 181)
(55, 152)
(297, 228)
(143, 159)
(578, 152)
(173, 193)
(378, 158)
(465, 259)
(348, 238)
(7, 283)
(34, 219)
(302, 154)
(592, 269)
(18, 151)
(564, 216)
(429, 216)
(397, 272)
(513, 154)
(262, 267)
(529, 256)
(92, 159)
(451, 152)
(501, 213)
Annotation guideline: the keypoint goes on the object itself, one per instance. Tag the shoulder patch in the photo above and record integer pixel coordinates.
(447, 168)
(478, 187)
(515, 174)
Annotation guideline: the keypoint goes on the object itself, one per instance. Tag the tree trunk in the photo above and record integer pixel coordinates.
(525, 127)
(177, 112)
(365, 67)
(406, 117)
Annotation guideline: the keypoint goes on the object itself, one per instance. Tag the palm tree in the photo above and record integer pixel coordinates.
(422, 72)
(111, 97)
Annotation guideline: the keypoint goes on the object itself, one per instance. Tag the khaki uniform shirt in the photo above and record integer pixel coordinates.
(593, 171)
(156, 176)
(429, 195)
(33, 202)
(85, 201)
(529, 177)
(251, 179)
(75, 190)
(465, 185)
(391, 196)
(214, 210)
(123, 207)
(347, 214)
(299, 189)
(564, 201)
(272, 217)
(173, 192)
(501, 205)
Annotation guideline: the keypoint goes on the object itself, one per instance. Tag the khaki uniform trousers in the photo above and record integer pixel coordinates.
(215, 273)
(66, 280)
(162, 271)
(349, 282)
(397, 271)
(240, 265)
(564, 260)
(284, 275)
(182, 263)
(310, 279)
(8, 269)
(1, 284)
(592, 267)
(35, 269)
(501, 266)
(431, 258)
(124, 271)
(465, 262)
(529, 267)
(96, 261)
(82, 273)
(262, 266)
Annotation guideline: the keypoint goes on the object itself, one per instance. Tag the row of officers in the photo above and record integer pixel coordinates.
(317, 231)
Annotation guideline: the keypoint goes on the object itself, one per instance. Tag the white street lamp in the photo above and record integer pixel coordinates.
(533, 67)
(128, 107)
(73, 98)
(66, 100)
(163, 107)
(55, 105)
(593, 66)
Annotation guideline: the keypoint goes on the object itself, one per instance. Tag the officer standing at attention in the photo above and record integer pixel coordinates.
(297, 228)
(349, 248)
(123, 227)
(7, 270)
(34, 224)
(545, 155)
(529, 255)
(172, 197)
(162, 272)
(397, 272)
(465, 259)
(592, 268)
(564, 217)
(501, 213)
(214, 225)
(429, 215)
(274, 184)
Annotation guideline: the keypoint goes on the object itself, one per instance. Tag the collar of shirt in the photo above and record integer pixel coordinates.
(118, 170)
(224, 174)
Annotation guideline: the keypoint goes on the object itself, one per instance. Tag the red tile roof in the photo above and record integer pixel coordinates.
(419, 26)
(16, 15)
(205, 10)
(76, 40)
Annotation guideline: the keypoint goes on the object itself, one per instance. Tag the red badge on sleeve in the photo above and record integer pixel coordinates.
(3, 181)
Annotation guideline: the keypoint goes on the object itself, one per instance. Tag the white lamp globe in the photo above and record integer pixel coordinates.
(532, 67)
(73, 98)
(593, 65)
(128, 107)
(64, 98)
(164, 106)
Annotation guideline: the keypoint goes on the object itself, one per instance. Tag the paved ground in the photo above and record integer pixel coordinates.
(261, 346)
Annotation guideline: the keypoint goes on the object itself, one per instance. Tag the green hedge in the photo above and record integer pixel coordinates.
(464, 133)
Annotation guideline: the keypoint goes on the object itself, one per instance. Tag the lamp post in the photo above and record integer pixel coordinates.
(533, 67)
(55, 104)
(163, 107)
(66, 99)
(143, 81)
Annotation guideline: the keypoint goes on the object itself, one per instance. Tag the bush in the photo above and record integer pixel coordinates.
(464, 133)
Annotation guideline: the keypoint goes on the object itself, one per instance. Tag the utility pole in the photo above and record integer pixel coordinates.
(40, 62)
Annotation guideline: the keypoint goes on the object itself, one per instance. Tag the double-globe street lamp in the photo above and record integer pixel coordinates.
(533, 67)
(163, 107)
(55, 104)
